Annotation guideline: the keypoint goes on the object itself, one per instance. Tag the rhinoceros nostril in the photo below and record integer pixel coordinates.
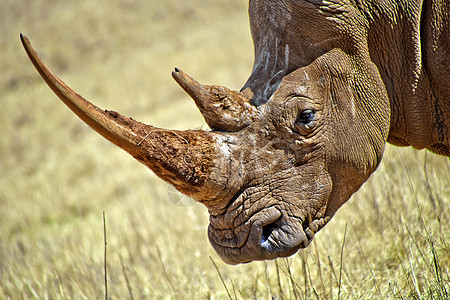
(267, 231)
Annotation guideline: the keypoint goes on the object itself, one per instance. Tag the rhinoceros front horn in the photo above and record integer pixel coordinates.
(185, 159)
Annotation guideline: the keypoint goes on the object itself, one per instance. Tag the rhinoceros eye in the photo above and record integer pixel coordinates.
(306, 117)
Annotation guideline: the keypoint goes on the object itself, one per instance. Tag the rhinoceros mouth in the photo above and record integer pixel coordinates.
(267, 234)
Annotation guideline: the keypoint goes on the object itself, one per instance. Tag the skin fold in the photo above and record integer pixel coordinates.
(332, 82)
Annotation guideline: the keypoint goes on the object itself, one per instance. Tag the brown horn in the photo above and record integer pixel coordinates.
(182, 158)
(222, 108)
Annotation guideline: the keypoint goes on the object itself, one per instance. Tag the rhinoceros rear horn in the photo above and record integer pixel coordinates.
(182, 158)
(222, 108)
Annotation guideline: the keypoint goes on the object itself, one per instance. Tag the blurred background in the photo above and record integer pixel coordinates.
(58, 176)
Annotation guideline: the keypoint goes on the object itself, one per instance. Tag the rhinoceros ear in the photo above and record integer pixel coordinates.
(222, 108)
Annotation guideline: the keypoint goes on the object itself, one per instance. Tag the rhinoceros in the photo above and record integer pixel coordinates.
(332, 82)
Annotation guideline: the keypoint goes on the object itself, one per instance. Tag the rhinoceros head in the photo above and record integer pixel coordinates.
(299, 158)
(282, 156)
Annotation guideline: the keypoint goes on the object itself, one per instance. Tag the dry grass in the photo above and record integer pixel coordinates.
(58, 175)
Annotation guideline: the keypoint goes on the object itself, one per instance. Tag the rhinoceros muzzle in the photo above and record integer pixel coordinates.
(267, 234)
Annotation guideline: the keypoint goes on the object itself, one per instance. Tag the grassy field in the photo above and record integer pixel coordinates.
(391, 240)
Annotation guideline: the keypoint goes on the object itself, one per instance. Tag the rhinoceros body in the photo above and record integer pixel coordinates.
(332, 82)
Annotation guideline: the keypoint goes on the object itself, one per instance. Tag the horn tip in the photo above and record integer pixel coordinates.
(25, 42)
(182, 78)
(23, 37)
(175, 73)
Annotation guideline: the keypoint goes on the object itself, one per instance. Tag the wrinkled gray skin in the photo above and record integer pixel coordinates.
(373, 71)
(332, 82)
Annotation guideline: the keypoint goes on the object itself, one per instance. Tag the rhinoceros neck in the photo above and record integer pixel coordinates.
(409, 43)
